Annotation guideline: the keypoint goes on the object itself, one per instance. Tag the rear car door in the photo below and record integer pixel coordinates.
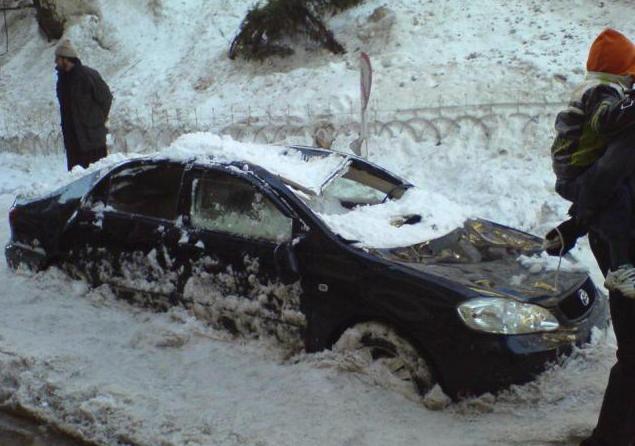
(233, 235)
(124, 233)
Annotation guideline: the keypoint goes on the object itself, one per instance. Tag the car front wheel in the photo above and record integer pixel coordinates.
(378, 352)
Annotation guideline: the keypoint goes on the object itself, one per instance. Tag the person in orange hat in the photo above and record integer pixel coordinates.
(591, 153)
(593, 158)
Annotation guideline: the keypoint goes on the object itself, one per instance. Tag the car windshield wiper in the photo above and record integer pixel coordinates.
(347, 241)
(297, 186)
(391, 193)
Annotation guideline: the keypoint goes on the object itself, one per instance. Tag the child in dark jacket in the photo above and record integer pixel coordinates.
(593, 156)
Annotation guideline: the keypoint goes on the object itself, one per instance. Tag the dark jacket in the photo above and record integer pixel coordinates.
(85, 101)
(599, 109)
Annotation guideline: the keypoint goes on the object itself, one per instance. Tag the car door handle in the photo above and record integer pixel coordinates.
(81, 220)
(198, 245)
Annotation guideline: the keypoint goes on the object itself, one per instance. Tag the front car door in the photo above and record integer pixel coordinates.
(235, 233)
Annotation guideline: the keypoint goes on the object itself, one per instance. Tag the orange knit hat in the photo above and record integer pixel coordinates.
(613, 53)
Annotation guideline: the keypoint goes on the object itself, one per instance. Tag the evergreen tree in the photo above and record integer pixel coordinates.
(266, 28)
(51, 24)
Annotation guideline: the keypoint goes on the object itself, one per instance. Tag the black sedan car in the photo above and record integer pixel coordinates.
(259, 251)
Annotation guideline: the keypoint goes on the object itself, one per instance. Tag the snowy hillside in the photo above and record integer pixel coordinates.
(462, 105)
(174, 54)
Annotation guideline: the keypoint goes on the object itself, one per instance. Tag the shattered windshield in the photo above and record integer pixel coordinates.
(357, 200)
(352, 186)
(358, 185)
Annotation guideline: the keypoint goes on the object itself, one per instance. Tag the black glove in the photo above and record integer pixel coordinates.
(561, 239)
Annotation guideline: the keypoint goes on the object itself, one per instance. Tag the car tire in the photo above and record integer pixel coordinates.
(377, 351)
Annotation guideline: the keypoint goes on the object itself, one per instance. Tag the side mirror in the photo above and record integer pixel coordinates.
(185, 220)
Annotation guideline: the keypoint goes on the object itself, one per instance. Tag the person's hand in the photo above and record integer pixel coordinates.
(562, 238)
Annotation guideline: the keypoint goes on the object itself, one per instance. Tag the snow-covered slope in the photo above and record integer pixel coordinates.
(119, 374)
(174, 54)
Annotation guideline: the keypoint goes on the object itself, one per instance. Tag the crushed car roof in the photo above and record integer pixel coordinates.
(308, 169)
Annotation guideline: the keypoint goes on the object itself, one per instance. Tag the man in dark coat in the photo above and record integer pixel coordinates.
(85, 101)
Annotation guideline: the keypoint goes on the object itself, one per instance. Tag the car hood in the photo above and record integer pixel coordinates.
(484, 256)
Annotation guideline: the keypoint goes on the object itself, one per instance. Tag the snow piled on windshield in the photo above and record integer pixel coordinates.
(378, 226)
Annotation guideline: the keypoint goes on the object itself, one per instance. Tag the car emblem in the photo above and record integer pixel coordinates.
(584, 297)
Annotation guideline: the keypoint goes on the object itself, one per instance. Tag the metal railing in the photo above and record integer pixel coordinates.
(486, 125)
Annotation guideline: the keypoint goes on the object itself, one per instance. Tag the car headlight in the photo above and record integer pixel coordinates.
(506, 316)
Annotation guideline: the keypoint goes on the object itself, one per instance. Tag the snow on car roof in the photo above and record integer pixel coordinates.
(293, 166)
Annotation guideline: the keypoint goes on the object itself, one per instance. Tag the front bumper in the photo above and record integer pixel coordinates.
(489, 363)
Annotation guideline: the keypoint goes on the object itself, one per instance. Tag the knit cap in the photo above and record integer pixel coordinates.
(66, 49)
(613, 53)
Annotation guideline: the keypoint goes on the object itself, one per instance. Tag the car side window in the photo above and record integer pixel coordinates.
(225, 203)
(149, 190)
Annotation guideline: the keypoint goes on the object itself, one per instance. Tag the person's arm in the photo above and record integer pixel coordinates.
(58, 92)
(609, 111)
(102, 95)
(99, 91)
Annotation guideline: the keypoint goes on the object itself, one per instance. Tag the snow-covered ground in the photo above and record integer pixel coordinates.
(121, 375)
